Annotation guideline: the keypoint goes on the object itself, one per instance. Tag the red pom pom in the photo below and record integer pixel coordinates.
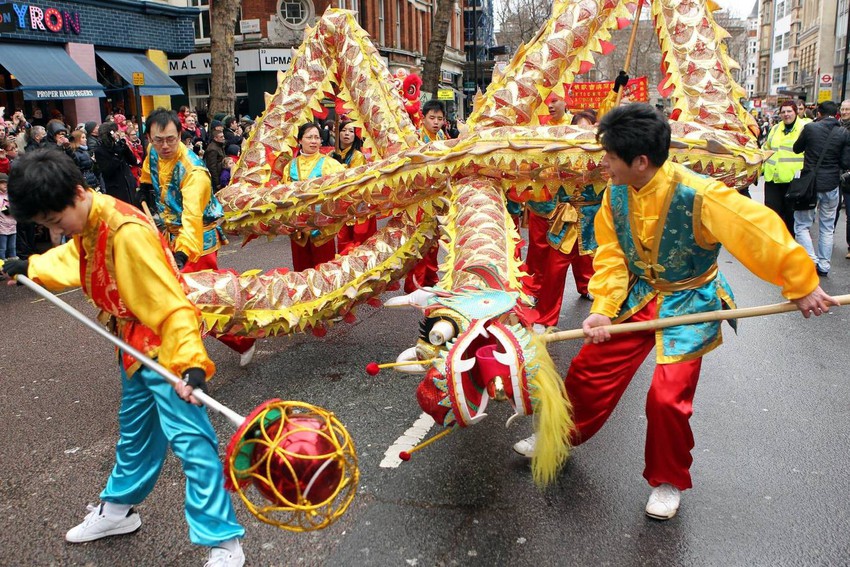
(404, 456)
(372, 368)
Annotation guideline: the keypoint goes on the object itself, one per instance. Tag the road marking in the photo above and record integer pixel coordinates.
(410, 439)
(59, 294)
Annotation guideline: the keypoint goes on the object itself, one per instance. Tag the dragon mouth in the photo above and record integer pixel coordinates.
(485, 362)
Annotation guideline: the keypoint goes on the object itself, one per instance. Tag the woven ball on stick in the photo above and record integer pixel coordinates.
(294, 465)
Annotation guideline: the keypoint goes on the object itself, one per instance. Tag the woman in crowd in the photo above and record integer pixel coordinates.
(136, 146)
(349, 154)
(114, 159)
(82, 156)
(308, 164)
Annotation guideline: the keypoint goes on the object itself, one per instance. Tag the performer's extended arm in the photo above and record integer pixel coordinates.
(58, 268)
(757, 237)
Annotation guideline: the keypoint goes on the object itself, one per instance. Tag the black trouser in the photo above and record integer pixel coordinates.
(774, 198)
(846, 197)
(26, 240)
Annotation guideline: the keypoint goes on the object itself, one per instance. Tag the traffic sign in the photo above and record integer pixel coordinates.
(445, 94)
(138, 79)
(826, 80)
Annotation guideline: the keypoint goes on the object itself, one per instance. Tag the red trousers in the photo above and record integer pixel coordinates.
(547, 269)
(424, 273)
(599, 375)
(210, 262)
(310, 255)
(351, 236)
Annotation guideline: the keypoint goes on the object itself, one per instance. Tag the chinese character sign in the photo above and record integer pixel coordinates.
(591, 95)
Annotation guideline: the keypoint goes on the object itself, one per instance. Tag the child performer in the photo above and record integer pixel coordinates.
(119, 259)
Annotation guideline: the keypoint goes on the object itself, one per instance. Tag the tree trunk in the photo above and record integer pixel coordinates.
(222, 61)
(437, 46)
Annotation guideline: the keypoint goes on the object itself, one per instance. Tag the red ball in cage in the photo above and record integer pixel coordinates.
(298, 464)
(293, 465)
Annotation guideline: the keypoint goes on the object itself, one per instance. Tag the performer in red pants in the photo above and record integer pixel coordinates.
(424, 273)
(547, 267)
(175, 185)
(660, 228)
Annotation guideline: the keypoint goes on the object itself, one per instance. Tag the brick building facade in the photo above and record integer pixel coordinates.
(89, 44)
(268, 32)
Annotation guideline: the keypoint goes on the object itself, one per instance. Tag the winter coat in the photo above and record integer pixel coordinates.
(836, 158)
(114, 162)
(85, 162)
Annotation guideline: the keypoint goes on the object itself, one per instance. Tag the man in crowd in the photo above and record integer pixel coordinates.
(651, 264)
(214, 157)
(783, 165)
(826, 138)
(844, 112)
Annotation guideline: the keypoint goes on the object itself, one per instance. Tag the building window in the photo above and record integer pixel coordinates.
(199, 91)
(381, 19)
(398, 24)
(780, 9)
(203, 28)
(295, 13)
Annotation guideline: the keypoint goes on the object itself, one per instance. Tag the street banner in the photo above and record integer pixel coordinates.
(590, 95)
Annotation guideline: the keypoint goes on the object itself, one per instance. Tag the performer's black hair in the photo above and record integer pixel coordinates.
(635, 130)
(162, 117)
(306, 126)
(435, 105)
(43, 181)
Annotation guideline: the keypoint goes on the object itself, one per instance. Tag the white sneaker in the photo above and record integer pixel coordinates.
(97, 525)
(527, 446)
(246, 357)
(663, 502)
(221, 557)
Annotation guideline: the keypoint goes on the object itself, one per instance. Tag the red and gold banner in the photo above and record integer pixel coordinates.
(590, 95)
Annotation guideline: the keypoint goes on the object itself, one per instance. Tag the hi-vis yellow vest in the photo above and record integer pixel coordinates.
(784, 163)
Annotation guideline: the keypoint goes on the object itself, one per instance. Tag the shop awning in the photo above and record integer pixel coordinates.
(47, 72)
(126, 64)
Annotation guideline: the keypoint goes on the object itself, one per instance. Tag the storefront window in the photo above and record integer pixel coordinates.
(295, 13)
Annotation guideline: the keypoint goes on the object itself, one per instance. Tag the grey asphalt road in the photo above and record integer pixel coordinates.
(771, 466)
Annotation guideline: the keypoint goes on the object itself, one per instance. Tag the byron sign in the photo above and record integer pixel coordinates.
(16, 17)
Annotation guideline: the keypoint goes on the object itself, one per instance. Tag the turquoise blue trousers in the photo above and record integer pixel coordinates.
(152, 417)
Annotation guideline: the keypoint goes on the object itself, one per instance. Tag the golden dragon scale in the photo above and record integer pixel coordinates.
(281, 302)
(506, 149)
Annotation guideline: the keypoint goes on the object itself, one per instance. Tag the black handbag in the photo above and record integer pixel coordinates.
(802, 191)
